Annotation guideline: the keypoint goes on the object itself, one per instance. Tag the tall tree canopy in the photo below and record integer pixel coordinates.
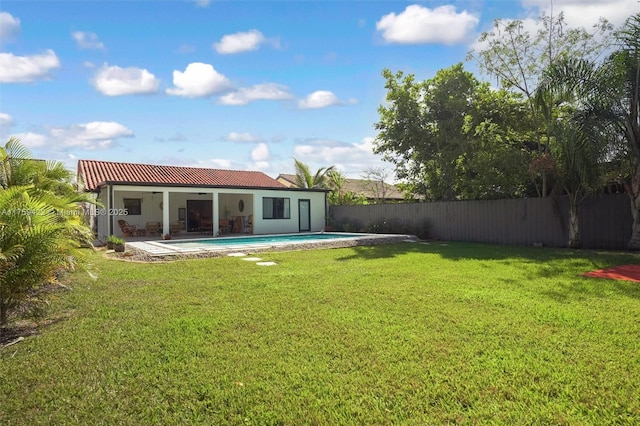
(452, 137)
(518, 58)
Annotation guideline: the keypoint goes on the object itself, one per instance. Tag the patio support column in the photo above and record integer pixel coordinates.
(216, 215)
(166, 208)
(108, 210)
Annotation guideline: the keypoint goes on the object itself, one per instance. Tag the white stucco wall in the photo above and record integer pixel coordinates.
(228, 201)
(278, 226)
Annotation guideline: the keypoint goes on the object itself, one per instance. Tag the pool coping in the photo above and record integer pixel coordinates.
(155, 250)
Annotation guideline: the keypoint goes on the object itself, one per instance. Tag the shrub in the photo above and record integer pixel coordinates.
(423, 229)
(351, 226)
(389, 226)
(114, 240)
(41, 226)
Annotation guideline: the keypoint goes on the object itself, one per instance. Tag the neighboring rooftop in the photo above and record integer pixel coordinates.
(92, 174)
(370, 189)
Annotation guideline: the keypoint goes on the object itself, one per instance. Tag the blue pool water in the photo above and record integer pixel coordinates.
(261, 240)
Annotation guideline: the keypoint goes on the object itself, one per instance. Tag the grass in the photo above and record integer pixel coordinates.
(393, 334)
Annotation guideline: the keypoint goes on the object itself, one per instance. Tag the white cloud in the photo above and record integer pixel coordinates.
(198, 80)
(5, 120)
(419, 24)
(350, 158)
(241, 137)
(264, 91)
(9, 26)
(260, 153)
(25, 69)
(31, 140)
(319, 99)
(93, 135)
(86, 40)
(585, 13)
(186, 48)
(216, 163)
(260, 165)
(202, 3)
(117, 81)
(240, 42)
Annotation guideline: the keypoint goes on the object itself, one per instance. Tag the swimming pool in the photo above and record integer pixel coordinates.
(262, 242)
(261, 239)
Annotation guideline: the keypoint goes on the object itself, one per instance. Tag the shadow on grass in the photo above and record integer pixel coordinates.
(479, 251)
(593, 288)
(542, 263)
(381, 251)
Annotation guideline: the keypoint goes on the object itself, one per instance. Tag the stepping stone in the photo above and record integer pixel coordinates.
(236, 254)
(252, 259)
(266, 263)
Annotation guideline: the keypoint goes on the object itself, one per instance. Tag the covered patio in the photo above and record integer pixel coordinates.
(156, 212)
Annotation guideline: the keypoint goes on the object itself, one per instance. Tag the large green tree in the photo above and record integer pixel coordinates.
(500, 147)
(518, 58)
(41, 224)
(452, 137)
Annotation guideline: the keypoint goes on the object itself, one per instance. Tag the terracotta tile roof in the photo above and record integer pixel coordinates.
(94, 173)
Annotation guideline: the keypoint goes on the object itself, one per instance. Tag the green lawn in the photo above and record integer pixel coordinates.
(394, 334)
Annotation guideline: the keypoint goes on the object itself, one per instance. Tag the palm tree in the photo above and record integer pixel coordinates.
(304, 178)
(607, 97)
(567, 97)
(336, 183)
(623, 112)
(579, 169)
(17, 167)
(41, 224)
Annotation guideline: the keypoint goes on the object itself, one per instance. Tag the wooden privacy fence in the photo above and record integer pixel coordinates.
(605, 220)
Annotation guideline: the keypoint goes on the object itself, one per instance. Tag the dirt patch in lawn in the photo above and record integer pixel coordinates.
(621, 272)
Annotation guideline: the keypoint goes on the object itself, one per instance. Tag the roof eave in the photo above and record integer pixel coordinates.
(193, 185)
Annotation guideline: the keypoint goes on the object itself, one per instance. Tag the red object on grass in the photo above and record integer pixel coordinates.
(622, 272)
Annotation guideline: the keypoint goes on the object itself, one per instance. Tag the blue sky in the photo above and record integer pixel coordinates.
(244, 85)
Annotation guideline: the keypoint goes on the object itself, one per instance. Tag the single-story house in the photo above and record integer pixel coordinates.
(196, 200)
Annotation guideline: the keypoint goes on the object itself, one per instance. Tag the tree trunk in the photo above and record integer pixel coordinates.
(634, 241)
(634, 194)
(3, 314)
(574, 226)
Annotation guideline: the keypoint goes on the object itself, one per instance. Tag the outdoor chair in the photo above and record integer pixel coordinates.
(224, 226)
(175, 228)
(248, 225)
(127, 230)
(206, 227)
(153, 228)
(238, 225)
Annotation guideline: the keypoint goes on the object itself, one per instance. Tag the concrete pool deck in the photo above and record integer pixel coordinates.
(156, 250)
